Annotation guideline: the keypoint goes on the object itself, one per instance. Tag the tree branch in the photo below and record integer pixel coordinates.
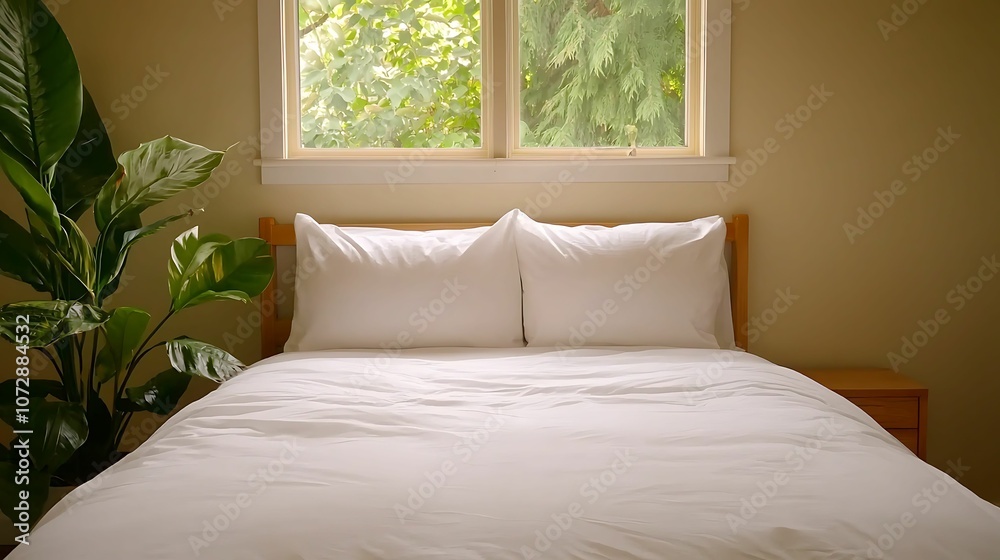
(313, 26)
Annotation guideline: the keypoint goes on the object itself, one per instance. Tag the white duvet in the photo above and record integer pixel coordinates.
(520, 453)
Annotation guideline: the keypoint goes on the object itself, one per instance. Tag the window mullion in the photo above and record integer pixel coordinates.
(496, 53)
(513, 77)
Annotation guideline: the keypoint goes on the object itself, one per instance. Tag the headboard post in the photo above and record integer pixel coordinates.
(274, 330)
(268, 306)
(739, 276)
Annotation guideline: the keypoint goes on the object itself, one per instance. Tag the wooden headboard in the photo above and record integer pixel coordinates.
(274, 330)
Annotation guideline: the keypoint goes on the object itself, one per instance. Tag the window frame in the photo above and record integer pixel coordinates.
(705, 158)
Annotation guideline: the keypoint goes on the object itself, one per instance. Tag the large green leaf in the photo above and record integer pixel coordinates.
(41, 93)
(34, 482)
(122, 335)
(160, 395)
(86, 165)
(21, 258)
(212, 268)
(36, 198)
(74, 267)
(194, 357)
(64, 283)
(48, 321)
(111, 241)
(188, 251)
(147, 175)
(76, 254)
(58, 430)
(154, 172)
(116, 251)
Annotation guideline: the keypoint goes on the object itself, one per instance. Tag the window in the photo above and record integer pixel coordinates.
(375, 74)
(432, 91)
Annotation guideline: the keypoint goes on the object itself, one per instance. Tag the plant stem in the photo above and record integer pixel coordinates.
(67, 357)
(81, 369)
(78, 344)
(139, 355)
(114, 400)
(54, 363)
(121, 431)
(78, 340)
(148, 350)
(93, 365)
(119, 391)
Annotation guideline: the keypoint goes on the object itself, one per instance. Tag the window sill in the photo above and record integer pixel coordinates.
(493, 171)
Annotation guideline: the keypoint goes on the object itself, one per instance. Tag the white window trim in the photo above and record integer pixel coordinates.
(422, 167)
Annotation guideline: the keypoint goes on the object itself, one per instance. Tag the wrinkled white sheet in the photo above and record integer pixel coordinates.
(519, 453)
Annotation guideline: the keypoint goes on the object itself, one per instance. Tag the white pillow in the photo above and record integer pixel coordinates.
(380, 288)
(631, 285)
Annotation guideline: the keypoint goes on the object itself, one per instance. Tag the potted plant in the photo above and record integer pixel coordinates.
(55, 152)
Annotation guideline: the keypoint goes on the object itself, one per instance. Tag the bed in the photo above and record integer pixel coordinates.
(512, 453)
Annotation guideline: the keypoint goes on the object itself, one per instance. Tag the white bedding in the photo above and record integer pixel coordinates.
(519, 453)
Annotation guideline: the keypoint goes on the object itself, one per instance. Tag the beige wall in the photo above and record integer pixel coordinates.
(855, 300)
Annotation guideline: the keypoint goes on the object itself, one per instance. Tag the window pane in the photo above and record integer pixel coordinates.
(390, 73)
(598, 73)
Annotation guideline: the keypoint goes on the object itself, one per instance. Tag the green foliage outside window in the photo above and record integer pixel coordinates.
(408, 73)
(595, 73)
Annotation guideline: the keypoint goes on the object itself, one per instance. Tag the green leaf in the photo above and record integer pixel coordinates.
(86, 165)
(74, 268)
(212, 268)
(41, 93)
(95, 455)
(36, 198)
(397, 94)
(160, 395)
(37, 389)
(36, 484)
(148, 175)
(115, 255)
(48, 321)
(58, 430)
(187, 253)
(75, 254)
(154, 172)
(21, 258)
(194, 357)
(122, 335)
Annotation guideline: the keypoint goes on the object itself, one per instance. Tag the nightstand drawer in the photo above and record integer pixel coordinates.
(896, 402)
(909, 438)
(891, 412)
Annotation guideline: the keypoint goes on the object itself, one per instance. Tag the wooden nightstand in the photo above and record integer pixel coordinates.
(896, 402)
